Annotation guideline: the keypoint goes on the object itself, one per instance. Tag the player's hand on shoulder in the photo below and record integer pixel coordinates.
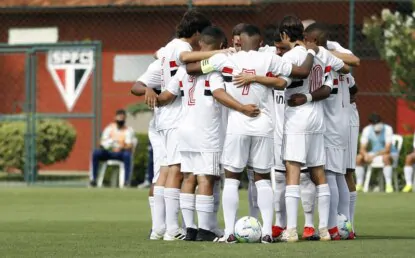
(313, 46)
(297, 99)
(250, 110)
(150, 98)
(243, 79)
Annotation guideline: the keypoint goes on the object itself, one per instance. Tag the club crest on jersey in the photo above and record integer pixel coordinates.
(70, 70)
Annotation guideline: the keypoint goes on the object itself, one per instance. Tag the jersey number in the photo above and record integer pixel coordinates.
(192, 100)
(316, 78)
(245, 89)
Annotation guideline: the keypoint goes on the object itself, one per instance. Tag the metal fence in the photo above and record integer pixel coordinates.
(139, 29)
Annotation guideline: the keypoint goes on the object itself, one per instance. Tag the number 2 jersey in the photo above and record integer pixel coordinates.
(309, 117)
(256, 63)
(200, 128)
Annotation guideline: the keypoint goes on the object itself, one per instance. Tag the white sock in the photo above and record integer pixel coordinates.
(204, 208)
(408, 171)
(216, 202)
(151, 204)
(308, 196)
(387, 172)
(266, 205)
(323, 196)
(334, 199)
(230, 203)
(360, 175)
(279, 201)
(344, 196)
(172, 199)
(252, 194)
(187, 205)
(353, 199)
(159, 222)
(292, 196)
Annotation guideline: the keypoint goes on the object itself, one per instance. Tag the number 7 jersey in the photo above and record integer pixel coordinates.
(257, 63)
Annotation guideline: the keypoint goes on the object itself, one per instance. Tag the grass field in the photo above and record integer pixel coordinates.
(51, 222)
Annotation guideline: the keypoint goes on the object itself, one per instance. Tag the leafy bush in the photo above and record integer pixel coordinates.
(54, 142)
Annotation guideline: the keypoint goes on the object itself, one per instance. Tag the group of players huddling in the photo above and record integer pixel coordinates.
(280, 111)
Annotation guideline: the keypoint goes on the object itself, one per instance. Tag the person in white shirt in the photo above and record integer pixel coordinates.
(409, 170)
(304, 127)
(148, 85)
(201, 139)
(307, 187)
(116, 143)
(379, 135)
(249, 141)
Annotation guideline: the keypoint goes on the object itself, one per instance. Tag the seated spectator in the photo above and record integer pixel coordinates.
(379, 136)
(116, 144)
(409, 169)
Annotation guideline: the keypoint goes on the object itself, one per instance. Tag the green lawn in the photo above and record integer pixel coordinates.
(50, 222)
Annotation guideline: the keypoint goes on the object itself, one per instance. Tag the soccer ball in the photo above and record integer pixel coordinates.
(248, 230)
(344, 226)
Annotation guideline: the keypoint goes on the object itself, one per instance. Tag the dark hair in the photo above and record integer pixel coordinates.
(251, 30)
(374, 118)
(213, 35)
(236, 31)
(120, 112)
(269, 32)
(293, 27)
(322, 31)
(193, 21)
(277, 36)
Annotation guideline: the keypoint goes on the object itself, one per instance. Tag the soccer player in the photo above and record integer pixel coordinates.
(249, 141)
(175, 53)
(336, 120)
(148, 85)
(201, 136)
(303, 142)
(307, 187)
(379, 135)
(236, 36)
(409, 170)
(348, 81)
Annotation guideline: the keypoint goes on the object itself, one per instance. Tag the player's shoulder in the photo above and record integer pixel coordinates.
(177, 44)
(295, 53)
(388, 128)
(268, 49)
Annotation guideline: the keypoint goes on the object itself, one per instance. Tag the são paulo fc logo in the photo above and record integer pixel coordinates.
(70, 70)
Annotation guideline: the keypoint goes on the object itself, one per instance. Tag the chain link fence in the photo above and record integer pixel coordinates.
(141, 27)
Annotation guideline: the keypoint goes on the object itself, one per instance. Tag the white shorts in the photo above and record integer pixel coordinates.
(201, 163)
(159, 153)
(171, 145)
(351, 152)
(379, 159)
(279, 164)
(307, 149)
(335, 160)
(242, 150)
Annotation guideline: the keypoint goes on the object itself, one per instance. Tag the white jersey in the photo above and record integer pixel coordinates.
(169, 115)
(268, 49)
(256, 63)
(308, 118)
(279, 104)
(336, 115)
(151, 78)
(200, 128)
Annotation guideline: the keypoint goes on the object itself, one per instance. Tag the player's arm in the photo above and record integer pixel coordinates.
(195, 56)
(349, 59)
(337, 64)
(364, 140)
(165, 98)
(228, 101)
(172, 89)
(150, 96)
(194, 68)
(302, 72)
(272, 82)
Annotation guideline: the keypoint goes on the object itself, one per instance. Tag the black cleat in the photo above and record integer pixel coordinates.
(313, 238)
(206, 235)
(93, 183)
(267, 239)
(191, 234)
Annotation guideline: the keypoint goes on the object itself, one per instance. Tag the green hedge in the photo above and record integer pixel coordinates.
(54, 142)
